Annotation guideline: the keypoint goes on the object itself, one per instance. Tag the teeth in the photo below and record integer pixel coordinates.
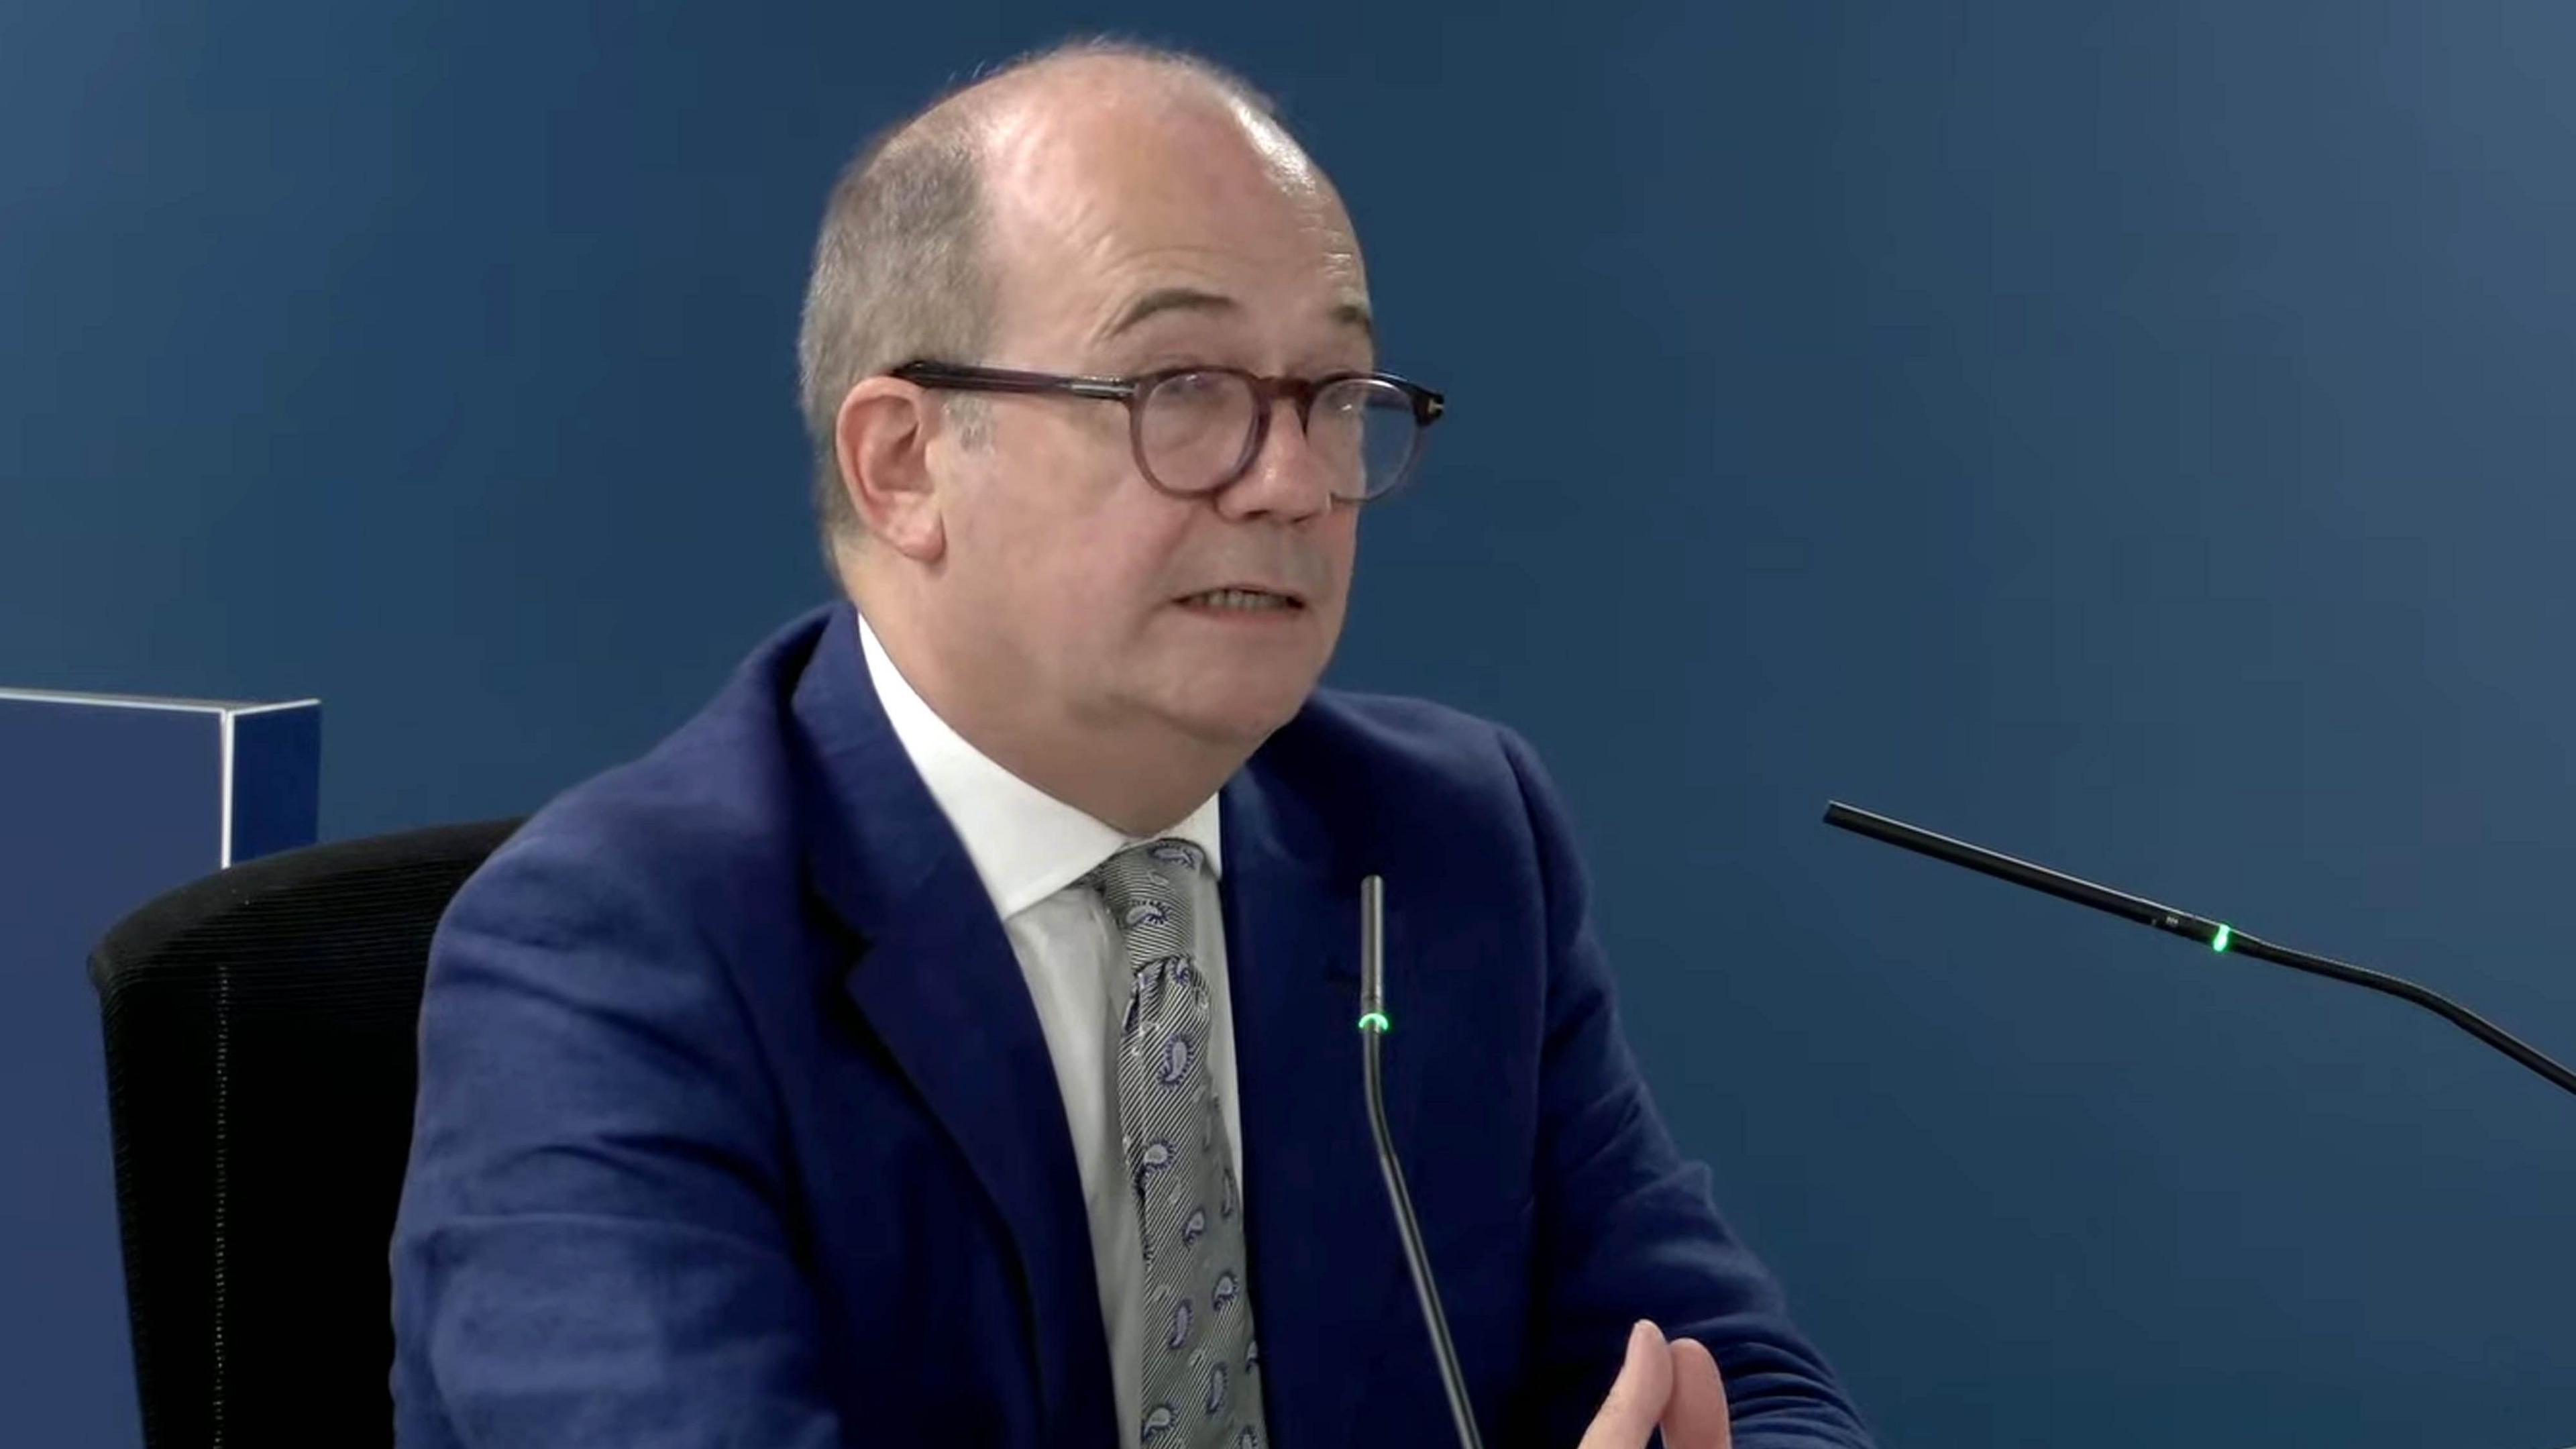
(1239, 599)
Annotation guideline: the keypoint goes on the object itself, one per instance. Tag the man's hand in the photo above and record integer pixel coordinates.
(1674, 1384)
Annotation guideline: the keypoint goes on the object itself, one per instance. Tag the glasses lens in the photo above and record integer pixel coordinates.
(1193, 428)
(1362, 431)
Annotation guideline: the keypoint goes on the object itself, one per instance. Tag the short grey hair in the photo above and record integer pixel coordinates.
(899, 271)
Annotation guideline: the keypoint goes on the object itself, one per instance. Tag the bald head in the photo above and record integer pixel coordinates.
(1081, 157)
(1151, 193)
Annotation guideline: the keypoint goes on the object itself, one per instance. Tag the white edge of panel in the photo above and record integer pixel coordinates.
(139, 701)
(224, 731)
(224, 842)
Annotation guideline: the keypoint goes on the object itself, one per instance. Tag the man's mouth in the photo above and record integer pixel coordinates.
(1242, 600)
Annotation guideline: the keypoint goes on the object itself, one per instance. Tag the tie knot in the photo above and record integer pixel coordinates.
(1147, 890)
(1155, 867)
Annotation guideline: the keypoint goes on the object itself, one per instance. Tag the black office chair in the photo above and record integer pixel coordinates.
(261, 1043)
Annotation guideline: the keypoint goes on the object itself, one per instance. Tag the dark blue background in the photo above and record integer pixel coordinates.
(2136, 436)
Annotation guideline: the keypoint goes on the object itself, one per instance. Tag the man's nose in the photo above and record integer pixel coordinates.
(1286, 480)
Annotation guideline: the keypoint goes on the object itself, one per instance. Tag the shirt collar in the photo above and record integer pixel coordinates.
(1025, 844)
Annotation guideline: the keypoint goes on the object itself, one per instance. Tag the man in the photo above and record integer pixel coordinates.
(948, 1036)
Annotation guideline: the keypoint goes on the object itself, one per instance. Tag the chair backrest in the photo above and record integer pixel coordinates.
(261, 1044)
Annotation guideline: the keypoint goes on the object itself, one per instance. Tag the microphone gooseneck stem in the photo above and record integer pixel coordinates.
(1373, 1029)
(2217, 935)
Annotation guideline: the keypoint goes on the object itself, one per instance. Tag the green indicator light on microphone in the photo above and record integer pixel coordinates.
(1375, 1021)
(2226, 933)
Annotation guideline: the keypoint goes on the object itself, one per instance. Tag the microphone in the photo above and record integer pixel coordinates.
(1373, 1027)
(2216, 935)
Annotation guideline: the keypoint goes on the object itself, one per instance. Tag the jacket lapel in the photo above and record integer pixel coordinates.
(936, 980)
(1325, 1257)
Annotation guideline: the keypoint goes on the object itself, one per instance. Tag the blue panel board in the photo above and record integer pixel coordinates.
(277, 765)
(103, 805)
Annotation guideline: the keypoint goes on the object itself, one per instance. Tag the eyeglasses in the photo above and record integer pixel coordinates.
(1197, 429)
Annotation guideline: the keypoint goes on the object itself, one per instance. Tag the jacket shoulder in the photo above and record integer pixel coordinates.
(704, 817)
(1408, 732)
(1404, 756)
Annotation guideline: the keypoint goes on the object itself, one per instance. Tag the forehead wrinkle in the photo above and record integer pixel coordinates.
(1199, 270)
(1125, 281)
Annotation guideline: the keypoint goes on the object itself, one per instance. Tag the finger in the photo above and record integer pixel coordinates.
(1636, 1398)
(1695, 1415)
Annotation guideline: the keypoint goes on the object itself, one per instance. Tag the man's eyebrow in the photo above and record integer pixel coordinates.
(1355, 314)
(1170, 299)
(1190, 299)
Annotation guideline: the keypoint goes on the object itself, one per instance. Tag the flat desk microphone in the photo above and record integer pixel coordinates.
(2216, 935)
(1373, 1027)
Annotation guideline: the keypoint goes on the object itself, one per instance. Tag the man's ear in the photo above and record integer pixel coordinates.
(882, 438)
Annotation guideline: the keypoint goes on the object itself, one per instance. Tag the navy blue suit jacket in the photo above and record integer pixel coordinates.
(736, 1126)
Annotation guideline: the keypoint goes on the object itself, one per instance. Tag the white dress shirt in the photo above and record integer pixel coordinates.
(1030, 849)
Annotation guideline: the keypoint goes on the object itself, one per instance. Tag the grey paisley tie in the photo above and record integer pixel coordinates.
(1199, 1386)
